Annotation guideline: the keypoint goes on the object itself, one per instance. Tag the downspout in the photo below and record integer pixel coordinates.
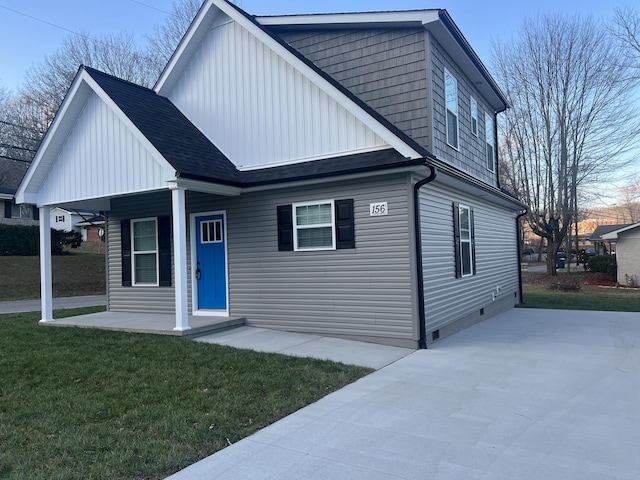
(520, 215)
(422, 341)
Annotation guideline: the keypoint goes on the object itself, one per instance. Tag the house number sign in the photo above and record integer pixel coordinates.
(378, 209)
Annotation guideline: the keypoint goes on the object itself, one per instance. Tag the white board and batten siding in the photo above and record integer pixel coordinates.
(449, 299)
(102, 157)
(258, 108)
(135, 298)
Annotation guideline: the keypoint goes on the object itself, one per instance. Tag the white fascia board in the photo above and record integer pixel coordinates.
(394, 18)
(6, 196)
(82, 87)
(205, 187)
(614, 235)
(185, 49)
(59, 123)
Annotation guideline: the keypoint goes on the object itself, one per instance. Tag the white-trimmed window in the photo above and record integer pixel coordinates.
(144, 252)
(473, 104)
(464, 236)
(314, 226)
(451, 100)
(490, 150)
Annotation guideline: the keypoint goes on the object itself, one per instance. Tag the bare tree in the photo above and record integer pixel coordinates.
(570, 122)
(47, 82)
(166, 36)
(630, 204)
(625, 27)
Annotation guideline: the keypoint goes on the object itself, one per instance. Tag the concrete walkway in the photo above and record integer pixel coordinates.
(304, 345)
(20, 306)
(530, 394)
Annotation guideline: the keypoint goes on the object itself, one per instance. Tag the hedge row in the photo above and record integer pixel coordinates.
(25, 240)
(604, 264)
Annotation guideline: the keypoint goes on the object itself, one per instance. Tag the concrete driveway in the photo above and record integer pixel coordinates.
(530, 394)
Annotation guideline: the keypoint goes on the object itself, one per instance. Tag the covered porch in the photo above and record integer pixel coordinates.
(155, 323)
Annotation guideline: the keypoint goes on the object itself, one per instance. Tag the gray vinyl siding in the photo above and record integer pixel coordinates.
(470, 156)
(366, 292)
(448, 299)
(385, 68)
(361, 292)
(135, 299)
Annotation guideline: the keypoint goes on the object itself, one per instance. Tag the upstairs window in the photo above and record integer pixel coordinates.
(451, 99)
(474, 116)
(491, 151)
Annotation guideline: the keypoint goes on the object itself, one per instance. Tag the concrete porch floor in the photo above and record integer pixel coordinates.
(157, 323)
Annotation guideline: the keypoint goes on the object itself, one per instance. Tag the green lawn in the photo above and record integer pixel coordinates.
(90, 404)
(538, 292)
(79, 273)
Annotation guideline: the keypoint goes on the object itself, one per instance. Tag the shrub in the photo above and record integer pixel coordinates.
(604, 264)
(23, 240)
(566, 283)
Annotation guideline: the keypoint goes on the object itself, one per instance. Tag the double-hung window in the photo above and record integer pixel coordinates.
(490, 150)
(144, 240)
(320, 225)
(474, 116)
(464, 240)
(451, 100)
(314, 226)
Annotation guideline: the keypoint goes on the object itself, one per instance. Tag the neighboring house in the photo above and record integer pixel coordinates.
(69, 220)
(627, 240)
(11, 173)
(332, 174)
(92, 228)
(604, 245)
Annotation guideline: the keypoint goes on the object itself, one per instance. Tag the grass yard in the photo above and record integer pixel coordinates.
(577, 291)
(90, 404)
(79, 273)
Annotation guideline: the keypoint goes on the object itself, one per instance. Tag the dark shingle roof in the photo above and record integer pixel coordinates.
(11, 174)
(173, 135)
(604, 229)
(193, 156)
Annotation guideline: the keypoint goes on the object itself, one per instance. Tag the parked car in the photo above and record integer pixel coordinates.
(591, 252)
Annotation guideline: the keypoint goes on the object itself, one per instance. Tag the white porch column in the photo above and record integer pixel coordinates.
(178, 205)
(46, 289)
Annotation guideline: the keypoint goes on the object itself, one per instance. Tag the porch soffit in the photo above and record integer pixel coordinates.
(92, 151)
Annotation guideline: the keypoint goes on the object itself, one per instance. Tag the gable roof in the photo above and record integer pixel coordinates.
(11, 174)
(601, 230)
(171, 133)
(437, 21)
(199, 28)
(613, 235)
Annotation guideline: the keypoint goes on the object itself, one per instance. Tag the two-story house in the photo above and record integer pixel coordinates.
(332, 174)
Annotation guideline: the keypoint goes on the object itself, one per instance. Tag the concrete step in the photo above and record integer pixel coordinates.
(214, 327)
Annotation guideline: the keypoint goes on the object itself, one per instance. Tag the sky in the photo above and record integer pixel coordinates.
(33, 29)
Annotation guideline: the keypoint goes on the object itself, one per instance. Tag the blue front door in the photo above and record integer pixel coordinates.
(211, 265)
